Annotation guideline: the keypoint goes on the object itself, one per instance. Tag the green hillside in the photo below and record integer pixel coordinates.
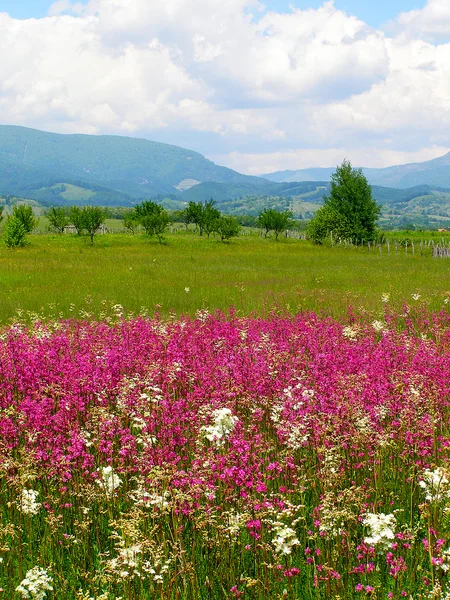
(33, 162)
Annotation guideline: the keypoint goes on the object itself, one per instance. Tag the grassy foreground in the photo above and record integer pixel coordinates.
(190, 273)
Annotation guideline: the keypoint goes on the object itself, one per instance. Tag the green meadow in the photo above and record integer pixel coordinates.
(63, 275)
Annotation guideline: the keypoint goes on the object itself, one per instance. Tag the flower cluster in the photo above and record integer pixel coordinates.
(36, 584)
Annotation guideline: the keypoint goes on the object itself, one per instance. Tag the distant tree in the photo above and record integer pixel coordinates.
(93, 217)
(2, 208)
(274, 220)
(153, 218)
(24, 212)
(131, 221)
(227, 227)
(14, 232)
(58, 218)
(76, 218)
(350, 202)
(203, 214)
(327, 220)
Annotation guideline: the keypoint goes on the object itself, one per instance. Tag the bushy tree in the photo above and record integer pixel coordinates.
(227, 227)
(325, 221)
(274, 220)
(153, 218)
(88, 219)
(76, 218)
(131, 221)
(58, 218)
(203, 214)
(14, 233)
(92, 218)
(349, 208)
(24, 213)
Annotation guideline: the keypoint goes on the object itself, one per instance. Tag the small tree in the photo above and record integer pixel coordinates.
(14, 233)
(153, 218)
(350, 201)
(203, 214)
(92, 219)
(327, 220)
(58, 218)
(227, 227)
(24, 212)
(275, 220)
(76, 218)
(131, 221)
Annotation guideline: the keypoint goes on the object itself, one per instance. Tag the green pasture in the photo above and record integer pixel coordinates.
(65, 275)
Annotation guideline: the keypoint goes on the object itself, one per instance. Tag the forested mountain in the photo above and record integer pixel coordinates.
(36, 164)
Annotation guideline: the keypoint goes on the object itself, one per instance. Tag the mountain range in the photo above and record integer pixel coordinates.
(434, 172)
(61, 169)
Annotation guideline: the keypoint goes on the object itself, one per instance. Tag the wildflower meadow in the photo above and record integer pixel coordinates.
(219, 456)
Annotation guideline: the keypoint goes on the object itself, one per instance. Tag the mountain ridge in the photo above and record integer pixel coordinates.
(435, 172)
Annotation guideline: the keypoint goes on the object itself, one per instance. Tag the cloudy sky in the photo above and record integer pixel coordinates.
(257, 86)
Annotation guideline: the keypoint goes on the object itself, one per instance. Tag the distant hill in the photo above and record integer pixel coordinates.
(434, 172)
(36, 164)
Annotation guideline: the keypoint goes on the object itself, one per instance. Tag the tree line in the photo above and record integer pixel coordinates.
(349, 212)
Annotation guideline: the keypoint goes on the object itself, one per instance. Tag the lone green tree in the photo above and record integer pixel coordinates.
(58, 218)
(203, 214)
(270, 219)
(76, 218)
(24, 213)
(349, 210)
(93, 217)
(153, 218)
(226, 227)
(131, 221)
(14, 232)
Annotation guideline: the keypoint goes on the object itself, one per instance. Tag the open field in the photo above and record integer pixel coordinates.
(251, 274)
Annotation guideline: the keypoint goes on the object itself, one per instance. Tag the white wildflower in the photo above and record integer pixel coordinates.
(224, 423)
(285, 538)
(187, 290)
(435, 483)
(381, 528)
(385, 297)
(28, 504)
(415, 297)
(109, 481)
(378, 326)
(350, 333)
(35, 585)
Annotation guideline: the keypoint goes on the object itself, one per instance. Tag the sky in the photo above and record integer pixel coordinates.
(256, 86)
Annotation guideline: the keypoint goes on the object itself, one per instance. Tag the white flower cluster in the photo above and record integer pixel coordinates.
(385, 297)
(382, 529)
(224, 423)
(35, 585)
(28, 504)
(378, 326)
(285, 538)
(350, 333)
(435, 483)
(109, 481)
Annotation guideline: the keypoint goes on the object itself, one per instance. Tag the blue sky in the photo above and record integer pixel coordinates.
(316, 88)
(375, 13)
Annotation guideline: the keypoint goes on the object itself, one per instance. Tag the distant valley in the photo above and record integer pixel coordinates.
(55, 169)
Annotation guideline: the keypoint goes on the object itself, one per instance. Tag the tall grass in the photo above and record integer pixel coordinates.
(64, 274)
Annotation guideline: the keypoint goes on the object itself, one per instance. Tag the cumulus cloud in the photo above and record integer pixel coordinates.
(252, 85)
(432, 23)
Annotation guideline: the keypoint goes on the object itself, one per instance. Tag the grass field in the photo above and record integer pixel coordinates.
(189, 273)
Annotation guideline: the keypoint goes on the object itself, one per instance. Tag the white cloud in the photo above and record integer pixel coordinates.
(252, 84)
(257, 163)
(431, 23)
